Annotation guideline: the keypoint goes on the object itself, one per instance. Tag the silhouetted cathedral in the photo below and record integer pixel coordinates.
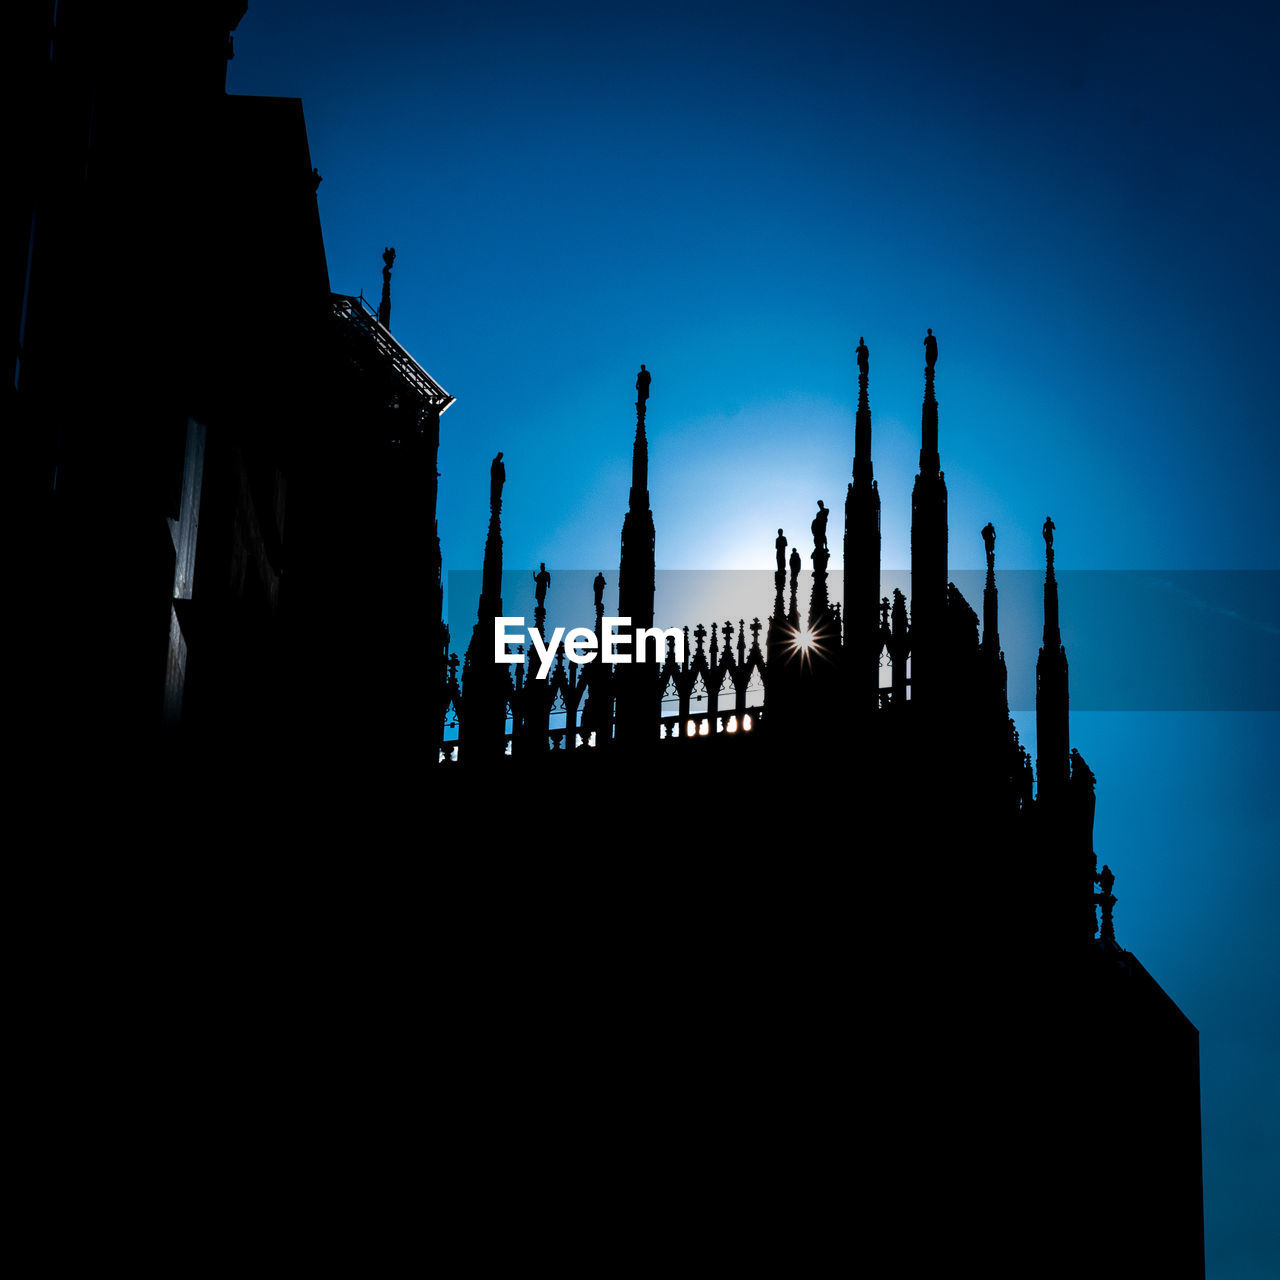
(234, 485)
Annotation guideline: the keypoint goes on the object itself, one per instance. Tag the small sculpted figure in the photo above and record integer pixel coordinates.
(930, 350)
(599, 584)
(643, 378)
(497, 478)
(1048, 529)
(819, 527)
(989, 539)
(541, 581)
(781, 545)
(384, 307)
(795, 567)
(864, 357)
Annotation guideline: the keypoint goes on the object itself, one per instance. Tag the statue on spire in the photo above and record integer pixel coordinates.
(989, 539)
(819, 527)
(930, 350)
(384, 307)
(541, 581)
(780, 577)
(1048, 529)
(497, 478)
(643, 378)
(864, 358)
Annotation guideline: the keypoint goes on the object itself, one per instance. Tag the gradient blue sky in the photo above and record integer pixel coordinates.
(1078, 199)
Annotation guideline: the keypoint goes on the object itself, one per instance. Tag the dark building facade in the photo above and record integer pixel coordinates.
(229, 468)
(899, 952)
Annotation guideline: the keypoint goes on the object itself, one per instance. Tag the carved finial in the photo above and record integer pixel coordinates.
(884, 612)
(899, 644)
(989, 540)
(864, 358)
(930, 350)
(1048, 529)
(643, 378)
(384, 307)
(899, 612)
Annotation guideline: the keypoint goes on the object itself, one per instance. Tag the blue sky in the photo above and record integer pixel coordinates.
(1078, 199)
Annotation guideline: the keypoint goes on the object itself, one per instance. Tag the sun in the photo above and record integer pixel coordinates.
(804, 644)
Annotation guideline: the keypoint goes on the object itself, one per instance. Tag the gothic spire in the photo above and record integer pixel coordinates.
(990, 600)
(929, 461)
(637, 713)
(640, 449)
(484, 681)
(819, 603)
(928, 550)
(993, 659)
(862, 556)
(862, 428)
(491, 580)
(793, 612)
(1053, 735)
(1052, 632)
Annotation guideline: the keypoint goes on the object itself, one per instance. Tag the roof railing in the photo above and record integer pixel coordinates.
(357, 312)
